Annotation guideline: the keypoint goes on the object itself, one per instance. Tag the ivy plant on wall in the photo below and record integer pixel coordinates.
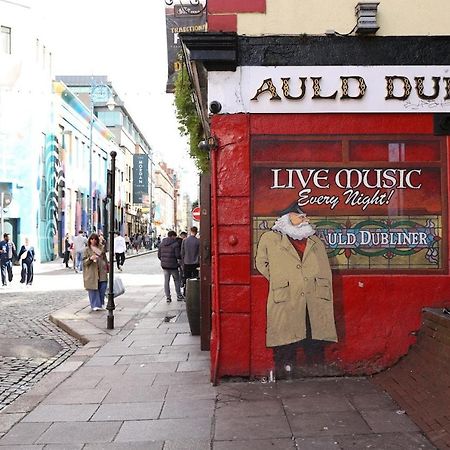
(188, 119)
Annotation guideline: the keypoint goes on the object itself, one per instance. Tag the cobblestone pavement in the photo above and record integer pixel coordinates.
(30, 345)
(34, 345)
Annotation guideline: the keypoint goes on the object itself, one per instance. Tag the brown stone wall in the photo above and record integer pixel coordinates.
(420, 382)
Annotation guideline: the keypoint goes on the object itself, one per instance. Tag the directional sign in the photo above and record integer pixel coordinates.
(196, 214)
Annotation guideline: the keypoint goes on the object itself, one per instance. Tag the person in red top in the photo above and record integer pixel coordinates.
(300, 299)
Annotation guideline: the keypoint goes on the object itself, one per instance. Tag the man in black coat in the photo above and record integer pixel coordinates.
(7, 253)
(169, 255)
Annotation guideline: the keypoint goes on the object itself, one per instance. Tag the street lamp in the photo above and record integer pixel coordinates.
(99, 93)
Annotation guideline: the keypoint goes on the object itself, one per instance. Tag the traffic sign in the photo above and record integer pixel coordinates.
(196, 214)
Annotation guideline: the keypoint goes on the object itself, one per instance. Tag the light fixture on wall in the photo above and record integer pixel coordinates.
(208, 144)
(366, 17)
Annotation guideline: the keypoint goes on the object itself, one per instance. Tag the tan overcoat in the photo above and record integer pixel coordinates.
(94, 271)
(294, 285)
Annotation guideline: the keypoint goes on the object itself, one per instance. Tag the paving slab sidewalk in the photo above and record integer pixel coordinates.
(146, 385)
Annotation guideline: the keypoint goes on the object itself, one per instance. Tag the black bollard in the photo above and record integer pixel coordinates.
(111, 191)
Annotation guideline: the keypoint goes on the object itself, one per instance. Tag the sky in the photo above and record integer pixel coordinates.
(125, 40)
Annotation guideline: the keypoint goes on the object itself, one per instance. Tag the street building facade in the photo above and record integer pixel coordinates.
(25, 124)
(336, 113)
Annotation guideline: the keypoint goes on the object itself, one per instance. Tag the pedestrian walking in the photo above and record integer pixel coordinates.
(190, 252)
(120, 248)
(169, 254)
(67, 250)
(7, 253)
(26, 257)
(79, 245)
(127, 241)
(95, 273)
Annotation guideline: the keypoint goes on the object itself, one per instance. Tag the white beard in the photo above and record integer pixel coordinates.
(297, 232)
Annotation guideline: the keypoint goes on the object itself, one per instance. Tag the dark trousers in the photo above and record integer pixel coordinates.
(6, 268)
(66, 258)
(313, 349)
(26, 276)
(190, 271)
(120, 259)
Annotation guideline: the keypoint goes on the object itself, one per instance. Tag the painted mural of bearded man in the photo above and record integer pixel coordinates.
(300, 300)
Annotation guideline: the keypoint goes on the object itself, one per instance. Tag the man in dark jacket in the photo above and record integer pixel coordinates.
(190, 249)
(169, 255)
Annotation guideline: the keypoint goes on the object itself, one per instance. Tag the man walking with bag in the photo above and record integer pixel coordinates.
(169, 255)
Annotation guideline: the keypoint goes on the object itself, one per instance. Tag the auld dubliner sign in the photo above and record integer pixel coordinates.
(326, 89)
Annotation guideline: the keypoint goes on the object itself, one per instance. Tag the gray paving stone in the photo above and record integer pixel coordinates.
(135, 394)
(385, 441)
(177, 409)
(63, 446)
(187, 339)
(327, 424)
(180, 348)
(152, 367)
(124, 350)
(318, 443)
(8, 420)
(102, 361)
(191, 391)
(114, 381)
(64, 396)
(155, 339)
(23, 447)
(79, 432)
(24, 403)
(165, 429)
(194, 366)
(384, 421)
(262, 427)
(80, 382)
(146, 445)
(24, 433)
(61, 413)
(187, 444)
(128, 411)
(181, 378)
(267, 444)
(317, 403)
(373, 401)
(166, 357)
(247, 391)
(249, 408)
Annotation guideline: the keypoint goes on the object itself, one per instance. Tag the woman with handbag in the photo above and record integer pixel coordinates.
(26, 258)
(95, 272)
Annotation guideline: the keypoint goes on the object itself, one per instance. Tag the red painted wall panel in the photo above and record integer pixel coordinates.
(376, 315)
(235, 345)
(308, 124)
(234, 210)
(233, 157)
(234, 269)
(235, 298)
(225, 22)
(234, 239)
(236, 6)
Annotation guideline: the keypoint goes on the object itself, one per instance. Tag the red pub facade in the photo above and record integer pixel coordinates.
(355, 131)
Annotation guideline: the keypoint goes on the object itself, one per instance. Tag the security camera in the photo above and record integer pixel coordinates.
(203, 146)
(215, 107)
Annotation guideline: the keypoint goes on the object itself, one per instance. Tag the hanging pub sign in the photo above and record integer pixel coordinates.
(328, 89)
(140, 179)
(384, 213)
(180, 18)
